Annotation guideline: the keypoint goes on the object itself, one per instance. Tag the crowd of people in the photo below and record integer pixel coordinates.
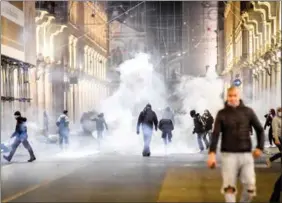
(234, 123)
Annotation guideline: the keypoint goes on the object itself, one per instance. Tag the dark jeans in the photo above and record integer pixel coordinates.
(277, 190)
(26, 145)
(270, 136)
(200, 137)
(279, 154)
(167, 137)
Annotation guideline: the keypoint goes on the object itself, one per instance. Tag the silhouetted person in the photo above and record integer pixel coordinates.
(276, 131)
(208, 121)
(21, 136)
(147, 119)
(268, 122)
(199, 129)
(166, 126)
(100, 126)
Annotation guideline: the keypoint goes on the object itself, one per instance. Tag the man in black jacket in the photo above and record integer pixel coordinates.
(208, 121)
(100, 126)
(234, 122)
(148, 119)
(199, 129)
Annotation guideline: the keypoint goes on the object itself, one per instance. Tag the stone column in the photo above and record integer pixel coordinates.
(259, 84)
(271, 83)
(268, 85)
(278, 84)
(258, 74)
(254, 85)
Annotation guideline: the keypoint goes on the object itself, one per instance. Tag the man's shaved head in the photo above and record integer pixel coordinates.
(233, 96)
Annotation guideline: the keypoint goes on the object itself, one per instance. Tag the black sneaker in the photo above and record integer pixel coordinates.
(6, 158)
(146, 154)
(31, 159)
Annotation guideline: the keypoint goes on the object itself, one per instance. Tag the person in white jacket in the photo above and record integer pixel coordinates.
(276, 130)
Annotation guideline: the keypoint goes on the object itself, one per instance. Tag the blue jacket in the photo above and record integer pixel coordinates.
(21, 129)
(63, 124)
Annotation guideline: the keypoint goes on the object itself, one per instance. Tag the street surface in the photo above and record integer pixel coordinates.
(90, 176)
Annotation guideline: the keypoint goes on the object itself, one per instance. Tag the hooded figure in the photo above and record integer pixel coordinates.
(208, 121)
(63, 125)
(100, 126)
(148, 119)
(199, 129)
(21, 137)
(277, 131)
(268, 122)
(166, 126)
(168, 114)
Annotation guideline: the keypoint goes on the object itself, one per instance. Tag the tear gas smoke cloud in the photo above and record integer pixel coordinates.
(198, 93)
(140, 84)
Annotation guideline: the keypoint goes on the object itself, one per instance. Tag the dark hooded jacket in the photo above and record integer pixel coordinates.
(21, 129)
(269, 117)
(100, 123)
(235, 123)
(166, 125)
(198, 124)
(147, 118)
(208, 120)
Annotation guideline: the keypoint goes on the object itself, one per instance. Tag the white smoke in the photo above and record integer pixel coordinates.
(196, 93)
(140, 85)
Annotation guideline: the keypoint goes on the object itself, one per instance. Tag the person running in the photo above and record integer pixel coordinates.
(237, 160)
(21, 137)
(268, 122)
(276, 130)
(199, 129)
(147, 119)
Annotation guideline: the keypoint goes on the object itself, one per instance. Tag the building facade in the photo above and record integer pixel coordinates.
(125, 42)
(253, 50)
(17, 61)
(72, 52)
